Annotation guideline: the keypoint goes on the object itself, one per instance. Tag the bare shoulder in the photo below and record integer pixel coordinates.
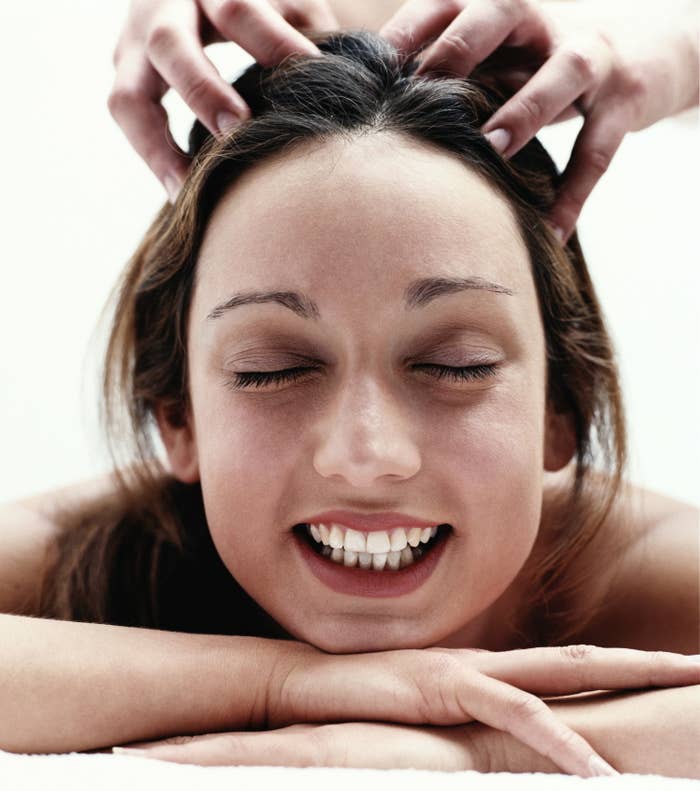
(646, 559)
(27, 530)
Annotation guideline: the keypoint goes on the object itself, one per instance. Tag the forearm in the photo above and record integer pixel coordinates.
(660, 46)
(650, 732)
(68, 686)
(676, 86)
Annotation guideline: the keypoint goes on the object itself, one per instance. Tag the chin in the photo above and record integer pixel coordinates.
(362, 637)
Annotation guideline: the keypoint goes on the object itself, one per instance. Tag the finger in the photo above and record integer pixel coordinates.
(570, 669)
(416, 22)
(312, 14)
(479, 30)
(570, 72)
(259, 29)
(528, 719)
(514, 80)
(178, 56)
(593, 150)
(134, 103)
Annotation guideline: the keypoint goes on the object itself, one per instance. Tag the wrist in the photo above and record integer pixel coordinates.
(635, 731)
(674, 70)
(284, 697)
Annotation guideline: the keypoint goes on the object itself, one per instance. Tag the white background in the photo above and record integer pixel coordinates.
(75, 200)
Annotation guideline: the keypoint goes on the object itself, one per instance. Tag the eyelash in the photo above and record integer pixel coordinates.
(258, 378)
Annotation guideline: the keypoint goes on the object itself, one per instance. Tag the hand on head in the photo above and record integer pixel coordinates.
(556, 61)
(162, 46)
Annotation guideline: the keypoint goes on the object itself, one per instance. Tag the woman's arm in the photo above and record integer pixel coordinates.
(69, 686)
(651, 732)
(637, 732)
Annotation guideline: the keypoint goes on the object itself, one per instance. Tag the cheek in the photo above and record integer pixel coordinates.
(494, 457)
(497, 439)
(237, 448)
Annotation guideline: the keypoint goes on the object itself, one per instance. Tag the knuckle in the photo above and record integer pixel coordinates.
(231, 13)
(456, 48)
(576, 652)
(449, 6)
(576, 655)
(581, 62)
(525, 707)
(597, 160)
(307, 7)
(121, 100)
(531, 107)
(195, 91)
(161, 37)
(634, 88)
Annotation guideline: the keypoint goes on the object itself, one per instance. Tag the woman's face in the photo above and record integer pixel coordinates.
(353, 226)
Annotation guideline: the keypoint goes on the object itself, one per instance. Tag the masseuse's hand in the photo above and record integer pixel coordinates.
(162, 46)
(463, 688)
(623, 70)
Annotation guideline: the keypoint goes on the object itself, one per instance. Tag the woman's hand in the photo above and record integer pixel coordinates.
(442, 686)
(359, 745)
(162, 46)
(622, 71)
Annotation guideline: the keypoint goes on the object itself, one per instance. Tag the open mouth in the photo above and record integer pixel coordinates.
(384, 562)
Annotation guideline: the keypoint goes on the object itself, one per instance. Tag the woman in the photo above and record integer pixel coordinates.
(467, 371)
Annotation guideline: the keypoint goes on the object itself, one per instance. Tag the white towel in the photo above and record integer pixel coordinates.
(76, 771)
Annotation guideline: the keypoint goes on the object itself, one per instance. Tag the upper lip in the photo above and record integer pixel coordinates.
(368, 522)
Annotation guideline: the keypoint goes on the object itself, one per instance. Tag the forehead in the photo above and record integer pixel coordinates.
(331, 217)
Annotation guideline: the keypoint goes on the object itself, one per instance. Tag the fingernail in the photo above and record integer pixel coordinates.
(499, 139)
(226, 121)
(600, 767)
(694, 658)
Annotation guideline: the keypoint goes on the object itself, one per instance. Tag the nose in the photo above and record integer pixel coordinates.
(366, 438)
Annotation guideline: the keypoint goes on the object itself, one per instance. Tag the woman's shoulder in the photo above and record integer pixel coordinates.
(641, 568)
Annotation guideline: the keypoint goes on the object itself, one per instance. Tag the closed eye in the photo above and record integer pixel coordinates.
(257, 379)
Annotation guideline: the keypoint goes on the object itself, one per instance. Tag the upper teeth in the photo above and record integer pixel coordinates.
(341, 537)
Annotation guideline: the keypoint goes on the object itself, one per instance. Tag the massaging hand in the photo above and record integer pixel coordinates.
(622, 70)
(431, 686)
(162, 46)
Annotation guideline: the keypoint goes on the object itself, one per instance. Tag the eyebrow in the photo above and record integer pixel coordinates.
(418, 294)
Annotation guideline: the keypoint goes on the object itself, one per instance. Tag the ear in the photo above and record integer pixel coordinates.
(178, 436)
(559, 439)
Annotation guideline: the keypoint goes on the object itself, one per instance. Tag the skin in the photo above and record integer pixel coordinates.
(369, 430)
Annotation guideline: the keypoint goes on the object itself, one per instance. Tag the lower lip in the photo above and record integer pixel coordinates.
(364, 582)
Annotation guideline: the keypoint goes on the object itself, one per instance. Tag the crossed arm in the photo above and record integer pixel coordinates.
(642, 732)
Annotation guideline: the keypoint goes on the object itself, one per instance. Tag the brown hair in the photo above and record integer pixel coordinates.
(126, 558)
